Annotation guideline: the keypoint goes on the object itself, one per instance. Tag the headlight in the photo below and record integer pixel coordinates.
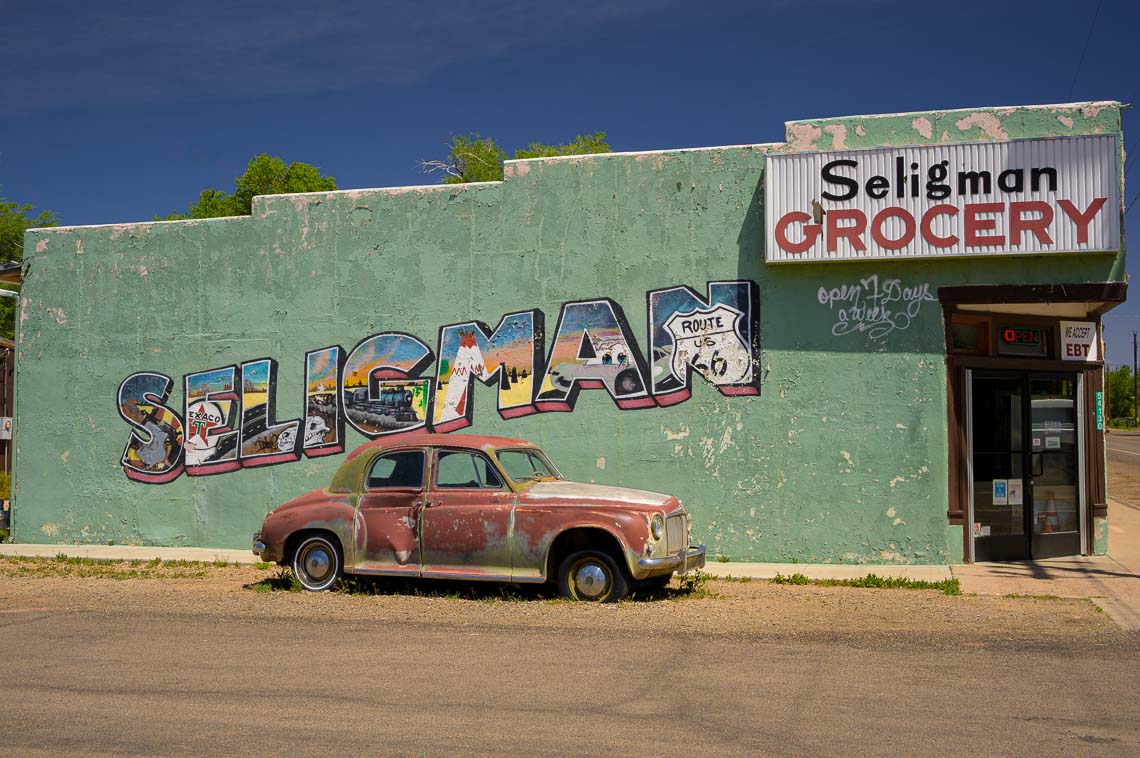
(658, 526)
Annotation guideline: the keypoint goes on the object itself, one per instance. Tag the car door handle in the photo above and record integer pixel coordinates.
(430, 503)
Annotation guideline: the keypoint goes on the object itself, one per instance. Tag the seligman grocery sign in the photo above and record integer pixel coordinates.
(977, 199)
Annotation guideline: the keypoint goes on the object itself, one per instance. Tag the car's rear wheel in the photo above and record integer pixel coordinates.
(317, 563)
(592, 575)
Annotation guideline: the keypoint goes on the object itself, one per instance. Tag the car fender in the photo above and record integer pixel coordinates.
(315, 511)
(537, 529)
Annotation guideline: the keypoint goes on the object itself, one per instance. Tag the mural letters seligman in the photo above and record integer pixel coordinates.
(228, 419)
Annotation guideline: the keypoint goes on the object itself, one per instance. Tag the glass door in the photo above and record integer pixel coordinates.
(1055, 518)
(1025, 457)
(998, 457)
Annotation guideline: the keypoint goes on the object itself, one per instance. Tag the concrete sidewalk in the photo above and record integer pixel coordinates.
(1111, 581)
(1108, 582)
(209, 555)
(130, 553)
(827, 570)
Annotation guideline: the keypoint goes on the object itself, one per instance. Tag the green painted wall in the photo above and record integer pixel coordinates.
(841, 458)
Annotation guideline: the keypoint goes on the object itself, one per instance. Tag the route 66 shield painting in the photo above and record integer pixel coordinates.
(707, 340)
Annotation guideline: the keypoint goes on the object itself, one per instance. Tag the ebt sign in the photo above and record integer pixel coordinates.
(976, 199)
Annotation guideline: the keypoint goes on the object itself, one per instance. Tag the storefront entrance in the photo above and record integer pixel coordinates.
(1026, 455)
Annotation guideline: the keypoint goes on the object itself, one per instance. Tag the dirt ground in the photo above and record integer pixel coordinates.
(718, 608)
(205, 660)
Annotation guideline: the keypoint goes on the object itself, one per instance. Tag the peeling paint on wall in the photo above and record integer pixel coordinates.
(987, 122)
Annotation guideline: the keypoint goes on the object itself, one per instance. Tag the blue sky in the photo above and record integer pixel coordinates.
(120, 111)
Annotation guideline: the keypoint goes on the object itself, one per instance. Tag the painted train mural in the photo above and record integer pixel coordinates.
(228, 416)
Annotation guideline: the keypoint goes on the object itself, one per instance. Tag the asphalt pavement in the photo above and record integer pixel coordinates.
(116, 683)
(1123, 444)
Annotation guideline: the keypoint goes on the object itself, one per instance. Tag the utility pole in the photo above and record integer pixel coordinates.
(1135, 415)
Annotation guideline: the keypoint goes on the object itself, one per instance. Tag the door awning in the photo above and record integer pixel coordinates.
(1084, 300)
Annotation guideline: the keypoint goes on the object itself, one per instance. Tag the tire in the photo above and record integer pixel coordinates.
(593, 576)
(317, 563)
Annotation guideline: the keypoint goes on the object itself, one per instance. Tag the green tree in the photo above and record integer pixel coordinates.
(265, 175)
(15, 219)
(583, 144)
(473, 158)
(1120, 392)
(470, 158)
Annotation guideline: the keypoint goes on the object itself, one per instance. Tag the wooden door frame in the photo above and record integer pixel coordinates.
(1105, 295)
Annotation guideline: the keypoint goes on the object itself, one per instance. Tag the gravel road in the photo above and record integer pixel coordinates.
(205, 664)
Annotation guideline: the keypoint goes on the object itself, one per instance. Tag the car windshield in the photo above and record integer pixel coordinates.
(526, 465)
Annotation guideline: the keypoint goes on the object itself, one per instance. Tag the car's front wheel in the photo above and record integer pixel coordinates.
(592, 575)
(317, 563)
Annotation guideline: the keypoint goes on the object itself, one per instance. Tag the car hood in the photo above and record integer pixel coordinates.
(580, 493)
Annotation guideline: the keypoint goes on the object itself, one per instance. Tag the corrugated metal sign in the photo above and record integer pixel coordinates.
(976, 199)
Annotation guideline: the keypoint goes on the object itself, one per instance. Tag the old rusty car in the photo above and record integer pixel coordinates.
(478, 508)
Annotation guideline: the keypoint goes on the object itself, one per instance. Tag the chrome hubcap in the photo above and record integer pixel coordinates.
(590, 580)
(317, 564)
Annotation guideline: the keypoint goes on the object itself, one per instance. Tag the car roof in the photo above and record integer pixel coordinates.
(474, 441)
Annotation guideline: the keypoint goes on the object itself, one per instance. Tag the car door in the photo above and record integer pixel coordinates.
(386, 528)
(467, 522)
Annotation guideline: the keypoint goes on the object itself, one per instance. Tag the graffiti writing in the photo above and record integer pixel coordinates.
(874, 307)
(228, 418)
(212, 415)
(377, 390)
(154, 451)
(717, 337)
(324, 422)
(594, 348)
(510, 355)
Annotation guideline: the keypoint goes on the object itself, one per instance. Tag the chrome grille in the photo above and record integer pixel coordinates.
(675, 533)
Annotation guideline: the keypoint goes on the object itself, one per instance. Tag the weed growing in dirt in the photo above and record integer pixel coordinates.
(66, 566)
(1016, 596)
(281, 581)
(262, 565)
(691, 586)
(946, 586)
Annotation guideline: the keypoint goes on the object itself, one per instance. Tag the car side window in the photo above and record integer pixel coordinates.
(462, 470)
(403, 469)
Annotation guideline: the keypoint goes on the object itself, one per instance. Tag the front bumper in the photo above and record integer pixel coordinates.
(265, 552)
(688, 560)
